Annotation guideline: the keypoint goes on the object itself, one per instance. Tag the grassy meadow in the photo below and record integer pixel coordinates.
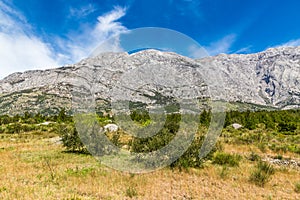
(36, 165)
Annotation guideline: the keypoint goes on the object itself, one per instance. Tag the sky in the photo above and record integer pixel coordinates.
(40, 34)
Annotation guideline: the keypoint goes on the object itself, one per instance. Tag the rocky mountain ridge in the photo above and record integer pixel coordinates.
(270, 78)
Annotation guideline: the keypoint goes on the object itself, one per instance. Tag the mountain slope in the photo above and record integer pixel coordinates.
(267, 78)
(270, 78)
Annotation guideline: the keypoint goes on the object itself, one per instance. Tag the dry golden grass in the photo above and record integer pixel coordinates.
(34, 168)
(246, 149)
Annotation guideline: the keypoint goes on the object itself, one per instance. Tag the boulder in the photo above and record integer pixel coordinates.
(111, 127)
(236, 126)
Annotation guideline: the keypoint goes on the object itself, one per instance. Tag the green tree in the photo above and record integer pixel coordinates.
(205, 118)
(70, 138)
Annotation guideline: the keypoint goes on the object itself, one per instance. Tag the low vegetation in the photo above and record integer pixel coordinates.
(262, 173)
(46, 152)
(297, 187)
(222, 158)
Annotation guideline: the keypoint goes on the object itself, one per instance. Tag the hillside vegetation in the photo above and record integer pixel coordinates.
(43, 157)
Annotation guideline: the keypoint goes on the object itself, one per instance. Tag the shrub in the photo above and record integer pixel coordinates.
(262, 173)
(140, 116)
(2, 129)
(5, 119)
(287, 127)
(262, 147)
(224, 172)
(205, 118)
(279, 157)
(191, 158)
(131, 192)
(79, 172)
(70, 138)
(297, 187)
(222, 158)
(254, 157)
(73, 198)
(28, 128)
(14, 128)
(145, 145)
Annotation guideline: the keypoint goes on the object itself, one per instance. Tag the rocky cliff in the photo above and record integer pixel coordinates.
(270, 78)
(266, 78)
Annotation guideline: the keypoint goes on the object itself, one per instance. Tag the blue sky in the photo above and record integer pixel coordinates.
(39, 34)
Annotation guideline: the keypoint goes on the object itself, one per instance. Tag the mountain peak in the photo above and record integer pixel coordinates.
(269, 78)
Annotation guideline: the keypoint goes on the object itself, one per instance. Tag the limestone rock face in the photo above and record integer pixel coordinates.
(270, 78)
(267, 78)
(141, 77)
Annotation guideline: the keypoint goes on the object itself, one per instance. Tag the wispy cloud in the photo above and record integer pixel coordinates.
(82, 11)
(197, 52)
(291, 43)
(186, 7)
(22, 49)
(81, 45)
(10, 17)
(246, 49)
(221, 46)
(108, 24)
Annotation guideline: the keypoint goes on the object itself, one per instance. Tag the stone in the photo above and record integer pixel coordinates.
(236, 126)
(111, 128)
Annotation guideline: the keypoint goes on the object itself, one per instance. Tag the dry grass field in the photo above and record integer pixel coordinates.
(33, 166)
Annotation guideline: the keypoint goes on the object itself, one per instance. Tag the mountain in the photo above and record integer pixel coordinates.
(268, 79)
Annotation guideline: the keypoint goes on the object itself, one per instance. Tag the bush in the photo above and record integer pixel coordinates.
(70, 138)
(222, 158)
(262, 147)
(131, 192)
(145, 145)
(14, 128)
(254, 157)
(297, 187)
(262, 173)
(140, 116)
(2, 130)
(287, 127)
(205, 118)
(28, 128)
(224, 172)
(191, 158)
(5, 119)
(279, 157)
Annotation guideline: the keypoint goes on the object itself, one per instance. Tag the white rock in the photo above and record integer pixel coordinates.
(46, 123)
(111, 127)
(236, 126)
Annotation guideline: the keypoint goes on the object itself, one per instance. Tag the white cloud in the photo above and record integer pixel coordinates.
(79, 46)
(108, 24)
(246, 49)
(83, 11)
(291, 43)
(22, 50)
(221, 46)
(197, 52)
(10, 17)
